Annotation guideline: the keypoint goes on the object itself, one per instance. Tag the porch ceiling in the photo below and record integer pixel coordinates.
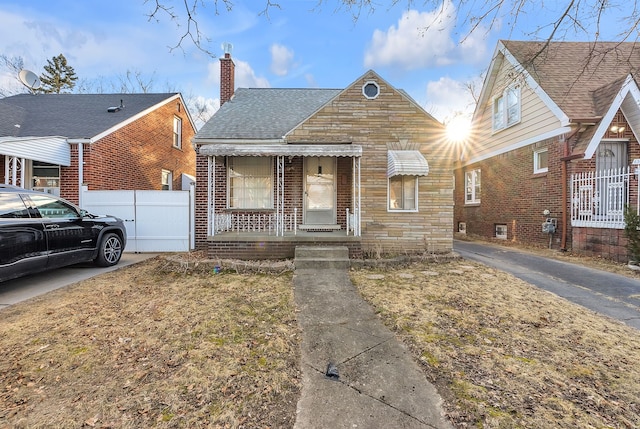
(244, 149)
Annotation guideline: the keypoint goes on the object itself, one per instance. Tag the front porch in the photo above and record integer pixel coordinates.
(306, 195)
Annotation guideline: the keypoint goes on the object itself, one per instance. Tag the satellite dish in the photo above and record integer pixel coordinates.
(29, 79)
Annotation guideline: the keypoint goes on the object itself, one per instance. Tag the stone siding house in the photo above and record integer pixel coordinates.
(363, 166)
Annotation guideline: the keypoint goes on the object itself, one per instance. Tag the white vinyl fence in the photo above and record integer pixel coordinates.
(156, 221)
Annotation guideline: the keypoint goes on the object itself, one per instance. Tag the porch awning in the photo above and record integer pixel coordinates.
(406, 163)
(348, 150)
(53, 150)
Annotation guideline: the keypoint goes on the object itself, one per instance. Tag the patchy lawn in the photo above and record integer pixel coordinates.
(155, 346)
(142, 347)
(505, 354)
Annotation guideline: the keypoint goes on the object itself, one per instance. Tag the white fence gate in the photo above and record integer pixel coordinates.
(156, 221)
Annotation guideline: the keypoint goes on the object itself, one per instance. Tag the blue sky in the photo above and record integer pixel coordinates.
(425, 50)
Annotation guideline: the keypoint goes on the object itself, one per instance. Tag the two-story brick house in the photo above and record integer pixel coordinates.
(365, 167)
(59, 142)
(554, 139)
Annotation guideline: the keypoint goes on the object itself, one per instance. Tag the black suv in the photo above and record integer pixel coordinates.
(39, 232)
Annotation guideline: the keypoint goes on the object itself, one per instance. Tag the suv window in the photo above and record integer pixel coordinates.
(12, 207)
(52, 208)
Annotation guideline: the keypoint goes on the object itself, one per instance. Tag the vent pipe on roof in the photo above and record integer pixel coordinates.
(116, 108)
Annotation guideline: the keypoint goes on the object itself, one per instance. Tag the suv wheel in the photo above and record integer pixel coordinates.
(110, 250)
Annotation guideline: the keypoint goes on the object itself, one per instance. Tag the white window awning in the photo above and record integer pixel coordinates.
(406, 163)
(348, 150)
(53, 150)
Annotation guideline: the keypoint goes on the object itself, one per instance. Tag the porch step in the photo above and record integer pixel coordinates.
(321, 257)
(319, 227)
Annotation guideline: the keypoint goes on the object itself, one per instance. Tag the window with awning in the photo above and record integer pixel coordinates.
(404, 168)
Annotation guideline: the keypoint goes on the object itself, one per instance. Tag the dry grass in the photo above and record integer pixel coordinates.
(148, 346)
(505, 354)
(141, 347)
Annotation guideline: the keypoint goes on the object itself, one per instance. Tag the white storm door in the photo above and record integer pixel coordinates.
(320, 191)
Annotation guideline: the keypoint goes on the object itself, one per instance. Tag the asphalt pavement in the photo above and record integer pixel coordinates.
(612, 295)
(21, 289)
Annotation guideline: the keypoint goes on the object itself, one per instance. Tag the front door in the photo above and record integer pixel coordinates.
(320, 191)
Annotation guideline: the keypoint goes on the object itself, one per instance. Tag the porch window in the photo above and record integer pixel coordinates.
(250, 182)
(403, 193)
(506, 108)
(472, 187)
(177, 132)
(540, 161)
(46, 177)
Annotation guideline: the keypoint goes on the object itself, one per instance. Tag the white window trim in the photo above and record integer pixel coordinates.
(271, 191)
(413, 210)
(371, 82)
(169, 175)
(177, 131)
(475, 199)
(536, 162)
(505, 112)
(506, 231)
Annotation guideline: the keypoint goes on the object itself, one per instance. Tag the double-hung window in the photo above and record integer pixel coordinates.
(540, 161)
(250, 182)
(506, 108)
(177, 132)
(403, 192)
(472, 187)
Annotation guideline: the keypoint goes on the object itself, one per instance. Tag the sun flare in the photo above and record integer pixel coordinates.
(458, 129)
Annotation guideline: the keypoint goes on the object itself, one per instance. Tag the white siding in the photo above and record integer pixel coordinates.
(536, 119)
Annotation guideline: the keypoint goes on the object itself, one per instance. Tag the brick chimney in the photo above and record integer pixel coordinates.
(227, 75)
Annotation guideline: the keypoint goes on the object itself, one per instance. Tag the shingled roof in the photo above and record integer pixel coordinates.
(74, 116)
(264, 113)
(580, 77)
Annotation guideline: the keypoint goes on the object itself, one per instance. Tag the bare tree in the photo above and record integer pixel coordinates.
(10, 67)
(130, 82)
(567, 17)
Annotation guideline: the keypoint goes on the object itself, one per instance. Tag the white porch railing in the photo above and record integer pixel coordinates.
(269, 223)
(598, 198)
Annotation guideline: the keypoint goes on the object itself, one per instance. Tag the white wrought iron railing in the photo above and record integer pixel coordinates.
(271, 223)
(598, 198)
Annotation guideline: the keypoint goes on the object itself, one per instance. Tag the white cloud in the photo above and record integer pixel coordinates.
(448, 98)
(311, 80)
(281, 59)
(423, 39)
(245, 75)
(202, 109)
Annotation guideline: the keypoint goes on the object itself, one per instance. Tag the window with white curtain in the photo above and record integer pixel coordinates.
(250, 182)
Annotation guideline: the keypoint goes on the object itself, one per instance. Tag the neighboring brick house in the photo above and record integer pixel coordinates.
(364, 167)
(58, 142)
(554, 130)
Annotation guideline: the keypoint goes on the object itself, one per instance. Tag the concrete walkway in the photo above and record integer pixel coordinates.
(356, 374)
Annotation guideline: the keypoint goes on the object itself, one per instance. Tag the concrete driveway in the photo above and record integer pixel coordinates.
(14, 291)
(610, 294)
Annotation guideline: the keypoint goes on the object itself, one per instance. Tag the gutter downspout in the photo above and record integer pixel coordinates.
(566, 158)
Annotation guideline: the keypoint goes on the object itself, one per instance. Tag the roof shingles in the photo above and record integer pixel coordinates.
(264, 113)
(74, 116)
